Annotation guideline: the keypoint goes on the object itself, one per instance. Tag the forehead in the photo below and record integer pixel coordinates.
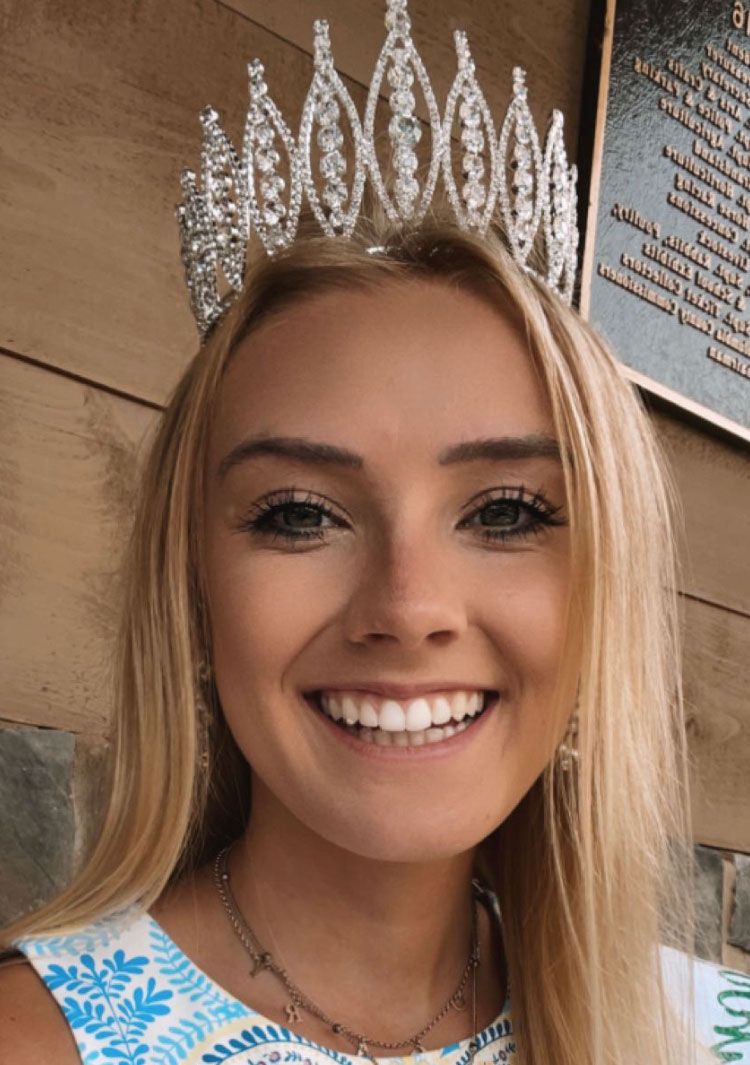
(406, 362)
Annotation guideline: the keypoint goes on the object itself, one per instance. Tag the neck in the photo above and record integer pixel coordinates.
(364, 938)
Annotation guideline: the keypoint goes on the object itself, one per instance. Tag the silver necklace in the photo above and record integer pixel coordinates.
(263, 959)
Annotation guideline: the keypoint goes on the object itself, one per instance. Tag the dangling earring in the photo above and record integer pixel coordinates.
(567, 752)
(203, 675)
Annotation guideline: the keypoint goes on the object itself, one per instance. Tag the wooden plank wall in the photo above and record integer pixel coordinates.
(99, 106)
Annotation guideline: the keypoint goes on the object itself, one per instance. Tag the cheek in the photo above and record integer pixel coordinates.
(528, 622)
(254, 626)
(264, 608)
(527, 616)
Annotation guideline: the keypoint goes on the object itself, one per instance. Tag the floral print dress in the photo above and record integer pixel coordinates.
(132, 997)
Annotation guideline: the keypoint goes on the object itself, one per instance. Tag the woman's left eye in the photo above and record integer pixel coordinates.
(515, 515)
(512, 515)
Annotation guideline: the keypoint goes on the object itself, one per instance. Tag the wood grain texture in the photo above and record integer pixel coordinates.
(717, 680)
(100, 108)
(712, 475)
(68, 456)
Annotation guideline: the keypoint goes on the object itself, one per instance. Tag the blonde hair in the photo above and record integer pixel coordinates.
(601, 857)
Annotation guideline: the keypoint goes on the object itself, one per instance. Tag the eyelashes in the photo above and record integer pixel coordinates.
(515, 503)
(261, 520)
(517, 513)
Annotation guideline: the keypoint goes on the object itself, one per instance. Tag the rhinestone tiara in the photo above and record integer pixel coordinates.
(529, 187)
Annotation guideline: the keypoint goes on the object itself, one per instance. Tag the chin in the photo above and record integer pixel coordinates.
(426, 838)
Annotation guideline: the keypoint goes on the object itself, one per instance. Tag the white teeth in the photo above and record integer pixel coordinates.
(388, 723)
(441, 711)
(474, 704)
(391, 717)
(349, 710)
(381, 738)
(368, 715)
(458, 706)
(418, 716)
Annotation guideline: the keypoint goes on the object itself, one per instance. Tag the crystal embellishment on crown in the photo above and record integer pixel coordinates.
(507, 176)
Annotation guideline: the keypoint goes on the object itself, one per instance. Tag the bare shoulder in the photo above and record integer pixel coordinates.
(33, 1031)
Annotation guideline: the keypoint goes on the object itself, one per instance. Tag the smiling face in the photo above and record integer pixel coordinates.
(393, 567)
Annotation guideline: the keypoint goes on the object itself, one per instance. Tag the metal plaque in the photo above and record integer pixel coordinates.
(666, 271)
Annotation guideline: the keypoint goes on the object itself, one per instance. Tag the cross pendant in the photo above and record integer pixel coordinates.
(292, 1013)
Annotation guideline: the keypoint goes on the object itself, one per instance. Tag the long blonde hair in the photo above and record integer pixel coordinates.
(601, 858)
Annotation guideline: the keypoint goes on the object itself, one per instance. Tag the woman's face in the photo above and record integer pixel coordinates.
(398, 566)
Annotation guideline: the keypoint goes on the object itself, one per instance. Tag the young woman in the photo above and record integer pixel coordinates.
(398, 760)
(403, 528)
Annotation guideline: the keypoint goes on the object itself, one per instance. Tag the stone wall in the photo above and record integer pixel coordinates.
(722, 893)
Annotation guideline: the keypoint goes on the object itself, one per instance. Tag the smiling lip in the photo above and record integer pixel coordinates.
(401, 691)
(426, 753)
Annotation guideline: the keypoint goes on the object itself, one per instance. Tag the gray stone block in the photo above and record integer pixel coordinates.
(739, 926)
(37, 819)
(709, 879)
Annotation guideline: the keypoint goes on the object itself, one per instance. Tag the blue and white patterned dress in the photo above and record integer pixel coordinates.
(132, 997)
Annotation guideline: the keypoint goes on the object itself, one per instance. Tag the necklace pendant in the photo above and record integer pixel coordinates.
(459, 1001)
(292, 1013)
(262, 961)
(362, 1048)
(417, 1047)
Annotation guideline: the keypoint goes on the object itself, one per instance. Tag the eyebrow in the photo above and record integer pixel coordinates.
(315, 453)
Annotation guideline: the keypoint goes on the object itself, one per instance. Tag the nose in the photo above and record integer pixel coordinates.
(405, 594)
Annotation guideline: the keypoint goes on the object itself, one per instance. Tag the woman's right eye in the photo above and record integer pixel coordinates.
(292, 513)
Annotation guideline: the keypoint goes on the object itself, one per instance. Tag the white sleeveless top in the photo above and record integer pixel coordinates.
(132, 997)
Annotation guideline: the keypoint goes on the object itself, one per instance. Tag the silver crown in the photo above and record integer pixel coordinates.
(530, 187)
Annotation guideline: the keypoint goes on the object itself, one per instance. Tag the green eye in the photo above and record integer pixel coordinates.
(298, 511)
(515, 515)
(284, 516)
(505, 513)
